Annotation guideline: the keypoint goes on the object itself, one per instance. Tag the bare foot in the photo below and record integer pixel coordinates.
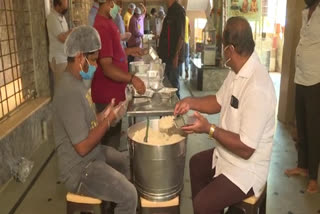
(296, 171)
(312, 187)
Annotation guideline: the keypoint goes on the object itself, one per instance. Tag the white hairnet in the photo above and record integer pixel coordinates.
(132, 6)
(137, 11)
(161, 13)
(83, 39)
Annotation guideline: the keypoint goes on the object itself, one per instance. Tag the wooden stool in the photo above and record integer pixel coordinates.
(163, 207)
(82, 204)
(251, 205)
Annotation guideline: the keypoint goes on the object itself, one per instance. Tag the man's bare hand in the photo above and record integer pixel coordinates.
(138, 84)
(182, 107)
(175, 61)
(201, 125)
(136, 51)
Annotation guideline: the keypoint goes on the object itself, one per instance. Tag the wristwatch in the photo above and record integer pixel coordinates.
(211, 131)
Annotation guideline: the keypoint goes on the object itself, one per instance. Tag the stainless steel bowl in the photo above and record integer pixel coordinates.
(157, 169)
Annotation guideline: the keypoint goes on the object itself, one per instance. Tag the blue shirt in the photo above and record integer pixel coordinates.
(120, 24)
(92, 13)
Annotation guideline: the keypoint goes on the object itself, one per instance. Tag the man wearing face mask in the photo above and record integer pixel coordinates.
(58, 31)
(238, 166)
(307, 80)
(112, 74)
(120, 24)
(85, 166)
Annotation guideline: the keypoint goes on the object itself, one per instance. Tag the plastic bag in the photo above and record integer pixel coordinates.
(21, 169)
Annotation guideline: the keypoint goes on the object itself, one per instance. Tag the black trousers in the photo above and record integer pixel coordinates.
(211, 195)
(308, 123)
(113, 135)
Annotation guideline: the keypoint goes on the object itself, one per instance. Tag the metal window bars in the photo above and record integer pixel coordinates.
(17, 84)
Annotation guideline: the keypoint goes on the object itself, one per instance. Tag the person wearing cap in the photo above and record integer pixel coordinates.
(85, 166)
(158, 25)
(112, 74)
(58, 31)
(120, 24)
(136, 27)
(171, 42)
(128, 15)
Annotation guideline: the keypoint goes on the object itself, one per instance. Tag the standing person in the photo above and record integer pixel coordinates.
(128, 15)
(307, 80)
(112, 74)
(93, 12)
(146, 23)
(120, 24)
(187, 47)
(85, 166)
(172, 41)
(136, 27)
(58, 31)
(153, 15)
(238, 166)
(158, 27)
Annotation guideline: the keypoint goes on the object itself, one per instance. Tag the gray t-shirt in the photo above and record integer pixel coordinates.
(74, 116)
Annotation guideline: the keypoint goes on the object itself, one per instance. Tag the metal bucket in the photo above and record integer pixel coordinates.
(157, 169)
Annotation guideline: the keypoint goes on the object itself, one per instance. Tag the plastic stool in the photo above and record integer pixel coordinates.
(251, 205)
(82, 204)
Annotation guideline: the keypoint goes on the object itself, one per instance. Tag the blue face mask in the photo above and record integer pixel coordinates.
(89, 75)
(114, 11)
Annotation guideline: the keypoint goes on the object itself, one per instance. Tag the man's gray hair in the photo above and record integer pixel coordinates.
(238, 33)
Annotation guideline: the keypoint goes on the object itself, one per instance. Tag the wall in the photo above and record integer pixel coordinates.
(286, 111)
(27, 137)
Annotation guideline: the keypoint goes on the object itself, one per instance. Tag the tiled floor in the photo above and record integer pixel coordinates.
(285, 195)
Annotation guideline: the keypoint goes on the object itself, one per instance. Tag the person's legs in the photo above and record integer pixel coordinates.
(217, 195)
(102, 181)
(117, 160)
(302, 145)
(201, 172)
(173, 77)
(57, 70)
(113, 135)
(312, 95)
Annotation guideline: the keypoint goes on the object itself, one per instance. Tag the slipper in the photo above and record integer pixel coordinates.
(312, 187)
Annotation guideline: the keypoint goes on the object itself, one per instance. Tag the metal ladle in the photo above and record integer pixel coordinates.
(147, 131)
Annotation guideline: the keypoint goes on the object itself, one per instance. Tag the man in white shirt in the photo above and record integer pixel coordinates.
(307, 79)
(58, 31)
(238, 166)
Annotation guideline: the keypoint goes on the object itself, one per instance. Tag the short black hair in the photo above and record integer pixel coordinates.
(153, 11)
(239, 34)
(56, 2)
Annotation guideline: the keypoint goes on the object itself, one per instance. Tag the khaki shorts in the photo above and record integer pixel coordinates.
(57, 70)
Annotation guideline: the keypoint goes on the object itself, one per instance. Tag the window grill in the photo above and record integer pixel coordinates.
(16, 57)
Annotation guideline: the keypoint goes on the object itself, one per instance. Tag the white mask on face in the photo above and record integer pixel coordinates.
(226, 61)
